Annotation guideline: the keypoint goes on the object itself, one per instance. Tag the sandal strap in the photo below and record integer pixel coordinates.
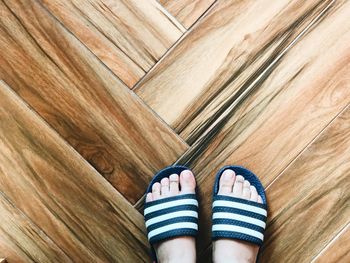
(238, 218)
(170, 217)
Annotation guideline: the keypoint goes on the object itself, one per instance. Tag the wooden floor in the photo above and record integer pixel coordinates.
(96, 96)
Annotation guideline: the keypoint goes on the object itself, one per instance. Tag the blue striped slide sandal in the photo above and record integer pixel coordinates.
(237, 218)
(171, 216)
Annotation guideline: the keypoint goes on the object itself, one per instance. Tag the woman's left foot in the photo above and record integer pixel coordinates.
(179, 249)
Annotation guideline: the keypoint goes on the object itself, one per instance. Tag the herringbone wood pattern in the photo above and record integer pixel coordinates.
(97, 95)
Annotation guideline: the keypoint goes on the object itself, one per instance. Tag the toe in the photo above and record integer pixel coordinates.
(187, 182)
(164, 191)
(253, 194)
(246, 190)
(174, 184)
(238, 186)
(260, 199)
(156, 191)
(226, 182)
(149, 197)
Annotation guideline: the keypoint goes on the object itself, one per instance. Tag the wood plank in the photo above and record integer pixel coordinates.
(81, 99)
(128, 36)
(21, 240)
(300, 96)
(290, 106)
(312, 193)
(316, 206)
(338, 251)
(61, 193)
(187, 11)
(239, 40)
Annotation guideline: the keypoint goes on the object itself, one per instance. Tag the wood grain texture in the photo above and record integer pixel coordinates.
(304, 218)
(290, 106)
(256, 83)
(187, 11)
(338, 251)
(61, 193)
(21, 240)
(128, 36)
(308, 203)
(82, 100)
(299, 96)
(222, 55)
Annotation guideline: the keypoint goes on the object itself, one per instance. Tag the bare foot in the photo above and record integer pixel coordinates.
(179, 249)
(230, 250)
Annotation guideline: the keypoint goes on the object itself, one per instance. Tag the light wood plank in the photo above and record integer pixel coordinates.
(291, 105)
(61, 193)
(80, 98)
(316, 206)
(23, 241)
(219, 58)
(338, 250)
(187, 11)
(301, 95)
(308, 203)
(128, 36)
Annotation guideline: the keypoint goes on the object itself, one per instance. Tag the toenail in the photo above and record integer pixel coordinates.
(164, 181)
(174, 178)
(239, 178)
(156, 187)
(187, 174)
(227, 174)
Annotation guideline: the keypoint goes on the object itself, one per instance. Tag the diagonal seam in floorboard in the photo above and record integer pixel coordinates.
(66, 193)
(210, 132)
(81, 99)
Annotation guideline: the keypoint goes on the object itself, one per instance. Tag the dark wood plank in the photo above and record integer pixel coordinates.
(219, 58)
(21, 240)
(309, 202)
(338, 251)
(128, 36)
(187, 11)
(82, 100)
(290, 105)
(61, 193)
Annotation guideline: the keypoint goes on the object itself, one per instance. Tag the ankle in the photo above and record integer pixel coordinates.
(234, 251)
(176, 257)
(181, 249)
(177, 260)
(233, 258)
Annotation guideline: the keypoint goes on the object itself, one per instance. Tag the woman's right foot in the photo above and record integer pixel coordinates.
(179, 249)
(230, 250)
